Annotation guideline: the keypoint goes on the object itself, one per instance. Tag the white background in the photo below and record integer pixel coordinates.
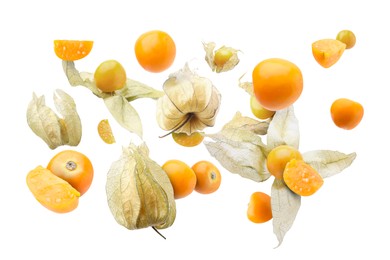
(347, 218)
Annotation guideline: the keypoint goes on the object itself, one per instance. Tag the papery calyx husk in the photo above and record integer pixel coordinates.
(139, 192)
(51, 128)
(190, 104)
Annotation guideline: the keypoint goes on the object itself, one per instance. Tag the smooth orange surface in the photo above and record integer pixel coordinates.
(208, 177)
(155, 51)
(346, 113)
(259, 207)
(73, 167)
(277, 83)
(182, 177)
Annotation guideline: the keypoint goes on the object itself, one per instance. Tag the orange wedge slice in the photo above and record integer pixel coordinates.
(327, 51)
(71, 50)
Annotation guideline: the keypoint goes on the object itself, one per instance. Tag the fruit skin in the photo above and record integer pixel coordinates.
(71, 50)
(301, 178)
(347, 37)
(277, 83)
(258, 110)
(182, 177)
(51, 191)
(327, 51)
(259, 207)
(73, 167)
(346, 113)
(208, 177)
(222, 56)
(155, 51)
(278, 158)
(188, 140)
(110, 76)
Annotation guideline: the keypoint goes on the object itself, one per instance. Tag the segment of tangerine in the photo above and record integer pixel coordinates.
(105, 132)
(327, 51)
(51, 191)
(71, 50)
(301, 178)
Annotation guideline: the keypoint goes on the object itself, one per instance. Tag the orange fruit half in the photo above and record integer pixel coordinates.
(327, 51)
(71, 50)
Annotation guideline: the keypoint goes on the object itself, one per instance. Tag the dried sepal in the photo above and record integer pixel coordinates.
(246, 85)
(239, 148)
(220, 60)
(190, 104)
(285, 205)
(52, 129)
(139, 192)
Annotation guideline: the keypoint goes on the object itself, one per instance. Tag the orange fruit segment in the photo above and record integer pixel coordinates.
(105, 131)
(51, 191)
(327, 51)
(301, 178)
(71, 50)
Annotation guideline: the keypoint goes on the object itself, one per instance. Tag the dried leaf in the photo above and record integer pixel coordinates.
(85, 79)
(44, 122)
(134, 90)
(71, 120)
(328, 163)
(124, 114)
(285, 205)
(227, 65)
(240, 122)
(239, 148)
(283, 129)
(105, 132)
(139, 192)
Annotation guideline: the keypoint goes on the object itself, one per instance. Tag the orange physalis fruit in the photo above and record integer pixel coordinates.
(71, 50)
(105, 132)
(301, 178)
(327, 51)
(259, 207)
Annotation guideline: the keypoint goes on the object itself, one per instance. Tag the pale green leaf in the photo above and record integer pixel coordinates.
(72, 123)
(328, 163)
(285, 206)
(283, 129)
(44, 122)
(124, 114)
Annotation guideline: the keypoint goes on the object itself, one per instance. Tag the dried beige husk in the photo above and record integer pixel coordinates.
(139, 192)
(52, 129)
(229, 64)
(190, 104)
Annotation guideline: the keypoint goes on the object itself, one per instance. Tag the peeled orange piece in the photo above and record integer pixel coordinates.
(327, 51)
(71, 50)
(301, 178)
(51, 191)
